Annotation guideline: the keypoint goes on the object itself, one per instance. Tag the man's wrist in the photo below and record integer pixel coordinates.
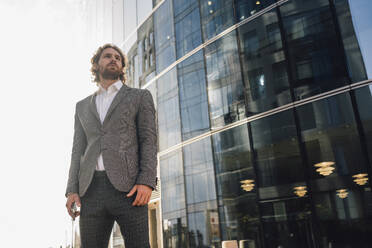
(70, 193)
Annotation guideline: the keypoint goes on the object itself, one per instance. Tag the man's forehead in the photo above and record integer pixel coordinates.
(110, 50)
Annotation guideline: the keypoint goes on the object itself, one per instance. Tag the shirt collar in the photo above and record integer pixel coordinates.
(113, 87)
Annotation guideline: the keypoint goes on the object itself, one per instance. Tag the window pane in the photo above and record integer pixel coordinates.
(264, 64)
(361, 15)
(164, 36)
(193, 96)
(315, 51)
(225, 85)
(278, 158)
(336, 166)
(216, 15)
(168, 110)
(246, 8)
(354, 57)
(364, 103)
(236, 186)
(201, 194)
(188, 33)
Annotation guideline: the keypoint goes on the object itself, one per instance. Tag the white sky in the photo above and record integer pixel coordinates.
(44, 70)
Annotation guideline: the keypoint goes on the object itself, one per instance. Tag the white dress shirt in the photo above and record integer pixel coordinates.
(103, 101)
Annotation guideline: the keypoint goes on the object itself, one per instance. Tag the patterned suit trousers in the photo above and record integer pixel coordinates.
(101, 206)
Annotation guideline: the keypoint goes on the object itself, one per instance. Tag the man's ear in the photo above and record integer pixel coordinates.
(95, 67)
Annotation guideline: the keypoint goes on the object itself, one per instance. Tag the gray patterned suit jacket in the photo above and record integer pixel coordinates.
(127, 139)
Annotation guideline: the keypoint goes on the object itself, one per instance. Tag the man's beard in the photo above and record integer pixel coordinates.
(110, 74)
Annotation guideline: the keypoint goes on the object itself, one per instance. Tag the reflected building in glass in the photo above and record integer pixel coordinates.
(264, 119)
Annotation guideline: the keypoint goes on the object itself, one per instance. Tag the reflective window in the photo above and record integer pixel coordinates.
(315, 51)
(172, 180)
(280, 175)
(354, 57)
(216, 15)
(180, 6)
(236, 186)
(193, 96)
(201, 194)
(246, 8)
(173, 200)
(361, 15)
(188, 33)
(169, 122)
(364, 102)
(264, 64)
(225, 84)
(287, 223)
(277, 155)
(164, 36)
(337, 170)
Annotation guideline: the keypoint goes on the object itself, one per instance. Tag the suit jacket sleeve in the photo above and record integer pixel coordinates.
(78, 149)
(147, 136)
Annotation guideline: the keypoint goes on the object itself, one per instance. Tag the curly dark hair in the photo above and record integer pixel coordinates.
(94, 61)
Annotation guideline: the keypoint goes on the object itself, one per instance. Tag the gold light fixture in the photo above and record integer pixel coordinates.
(211, 11)
(360, 178)
(258, 2)
(247, 185)
(325, 168)
(342, 193)
(209, 3)
(300, 191)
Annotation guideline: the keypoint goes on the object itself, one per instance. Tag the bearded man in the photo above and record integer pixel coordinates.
(114, 156)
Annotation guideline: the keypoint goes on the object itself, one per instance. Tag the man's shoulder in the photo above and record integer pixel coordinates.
(85, 100)
(138, 92)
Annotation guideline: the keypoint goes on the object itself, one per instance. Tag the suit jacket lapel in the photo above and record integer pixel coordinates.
(117, 99)
(93, 107)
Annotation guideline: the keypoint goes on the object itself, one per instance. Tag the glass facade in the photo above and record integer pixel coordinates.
(264, 119)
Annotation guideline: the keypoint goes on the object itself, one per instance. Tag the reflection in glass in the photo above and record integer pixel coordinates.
(216, 16)
(277, 155)
(172, 180)
(355, 64)
(164, 36)
(237, 207)
(361, 15)
(264, 64)
(246, 8)
(193, 96)
(315, 52)
(173, 200)
(287, 223)
(169, 122)
(201, 194)
(343, 207)
(225, 85)
(188, 33)
(330, 134)
(175, 232)
(363, 98)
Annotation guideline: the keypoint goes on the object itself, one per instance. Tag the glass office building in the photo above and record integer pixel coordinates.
(264, 113)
